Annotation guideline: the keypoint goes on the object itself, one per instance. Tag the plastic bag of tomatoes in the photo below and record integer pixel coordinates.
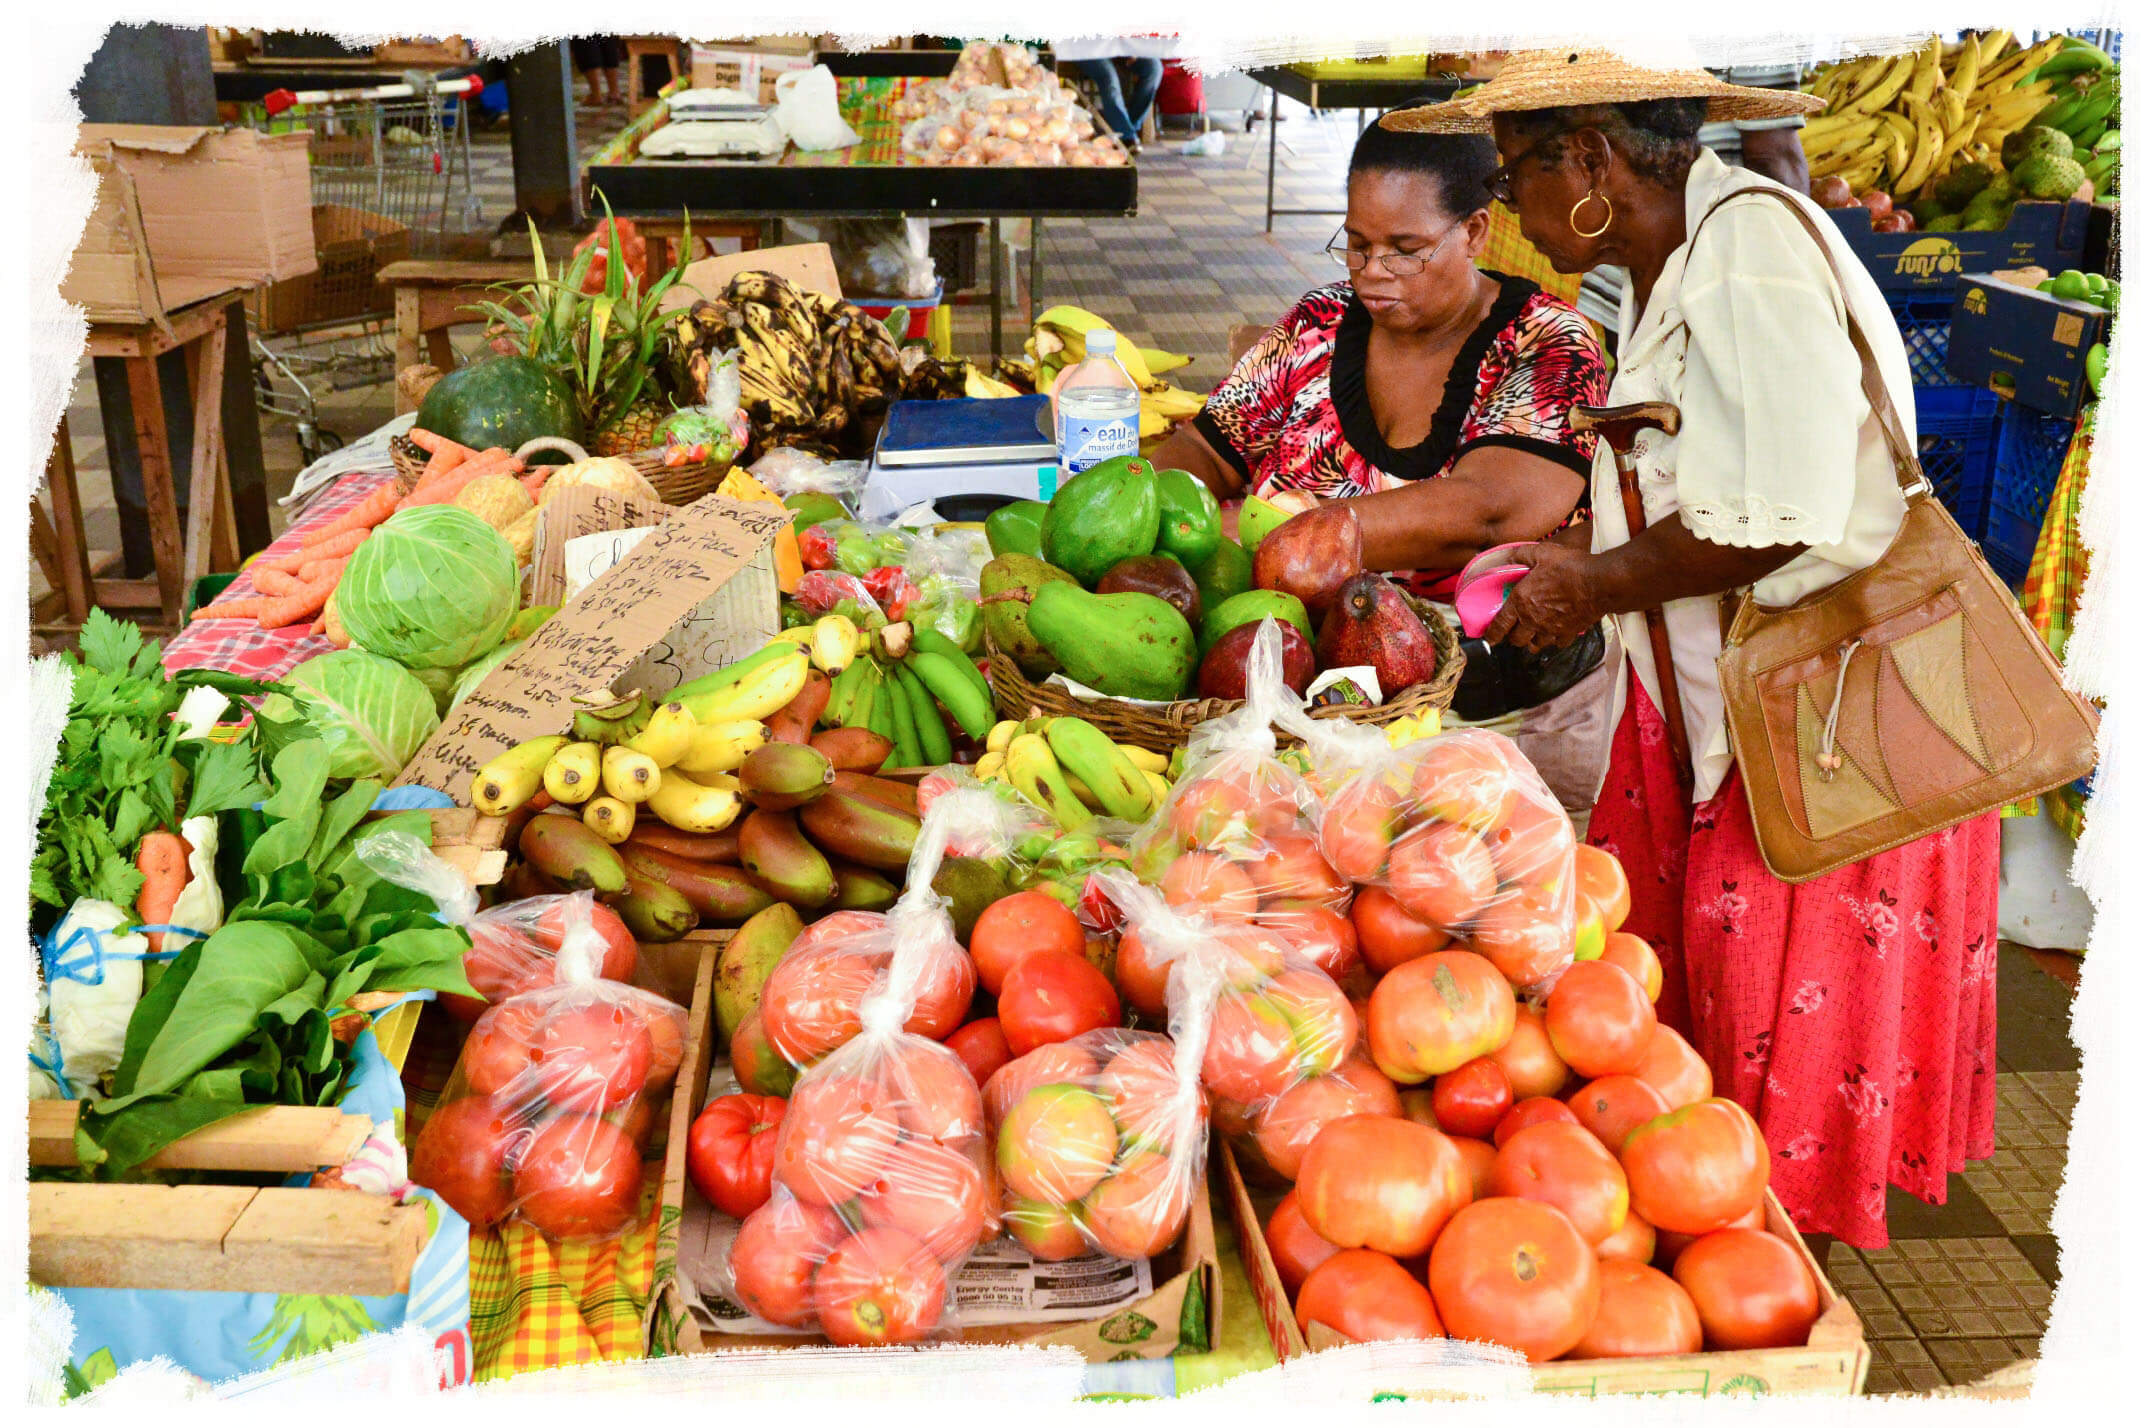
(1281, 1051)
(1235, 838)
(514, 947)
(549, 1113)
(1453, 840)
(879, 1188)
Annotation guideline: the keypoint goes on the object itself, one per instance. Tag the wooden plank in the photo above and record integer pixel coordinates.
(417, 272)
(152, 440)
(283, 1140)
(204, 474)
(67, 522)
(230, 1238)
(408, 342)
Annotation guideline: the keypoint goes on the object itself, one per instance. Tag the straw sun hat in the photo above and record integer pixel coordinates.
(1551, 79)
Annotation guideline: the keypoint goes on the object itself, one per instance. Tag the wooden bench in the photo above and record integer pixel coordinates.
(431, 296)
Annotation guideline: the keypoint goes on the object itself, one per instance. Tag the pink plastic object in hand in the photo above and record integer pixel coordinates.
(1484, 585)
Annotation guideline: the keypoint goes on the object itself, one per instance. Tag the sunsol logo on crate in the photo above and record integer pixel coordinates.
(1929, 258)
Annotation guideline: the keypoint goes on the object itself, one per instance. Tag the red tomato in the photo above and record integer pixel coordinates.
(1465, 778)
(1536, 1111)
(1442, 874)
(1671, 1244)
(1636, 958)
(1247, 956)
(1325, 1027)
(1359, 824)
(619, 951)
(811, 1003)
(1599, 877)
(1750, 1289)
(1250, 1055)
(1058, 1063)
(834, 1139)
(1472, 1099)
(666, 1025)
(1418, 1103)
(578, 1179)
(1641, 1313)
(497, 964)
(1528, 933)
(1675, 1069)
(1289, 1125)
(1205, 807)
(1390, 936)
(501, 1047)
(1209, 884)
(593, 1057)
(1697, 1169)
(1020, 924)
(1139, 1209)
(1479, 1156)
(1048, 1232)
(1636, 1239)
(775, 1257)
(1295, 1249)
(1141, 980)
(465, 1153)
(1056, 1144)
(760, 1071)
(1317, 932)
(1139, 1085)
(1516, 1273)
(1612, 1106)
(1434, 1013)
(1378, 1182)
(730, 1153)
(1600, 1022)
(1288, 866)
(880, 1287)
(936, 1195)
(1054, 996)
(981, 1046)
(1367, 1296)
(937, 1098)
(1533, 1067)
(945, 994)
(1564, 1166)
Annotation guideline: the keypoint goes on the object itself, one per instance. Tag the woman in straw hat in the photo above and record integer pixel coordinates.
(1852, 1015)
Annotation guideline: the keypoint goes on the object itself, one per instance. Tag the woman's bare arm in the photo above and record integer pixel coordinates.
(1186, 450)
(1493, 496)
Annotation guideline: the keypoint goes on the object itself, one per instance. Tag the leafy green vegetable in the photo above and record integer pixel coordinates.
(373, 714)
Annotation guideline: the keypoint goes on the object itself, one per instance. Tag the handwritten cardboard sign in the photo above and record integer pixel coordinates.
(732, 622)
(596, 637)
(807, 265)
(569, 514)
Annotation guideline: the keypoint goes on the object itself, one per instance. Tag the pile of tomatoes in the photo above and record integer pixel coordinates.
(513, 948)
(558, 1089)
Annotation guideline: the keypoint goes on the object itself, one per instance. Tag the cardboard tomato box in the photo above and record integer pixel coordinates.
(2027, 346)
(1179, 1316)
(1833, 1362)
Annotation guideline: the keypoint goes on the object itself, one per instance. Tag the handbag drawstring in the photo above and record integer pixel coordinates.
(1828, 759)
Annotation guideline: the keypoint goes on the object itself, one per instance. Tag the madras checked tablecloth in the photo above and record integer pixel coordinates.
(2052, 590)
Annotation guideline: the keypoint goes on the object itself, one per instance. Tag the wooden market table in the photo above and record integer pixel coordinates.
(1379, 85)
(869, 180)
(209, 538)
(433, 295)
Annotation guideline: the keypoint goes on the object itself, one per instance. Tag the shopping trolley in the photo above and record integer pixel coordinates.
(391, 178)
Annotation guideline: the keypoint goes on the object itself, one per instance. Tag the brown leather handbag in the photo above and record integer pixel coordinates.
(1901, 700)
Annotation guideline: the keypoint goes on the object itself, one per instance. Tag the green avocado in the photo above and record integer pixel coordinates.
(1188, 518)
(1102, 517)
(1249, 607)
(1134, 646)
(1223, 574)
(1015, 529)
(1006, 619)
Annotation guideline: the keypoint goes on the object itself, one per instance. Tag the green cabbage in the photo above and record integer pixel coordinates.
(440, 683)
(432, 588)
(372, 714)
(465, 683)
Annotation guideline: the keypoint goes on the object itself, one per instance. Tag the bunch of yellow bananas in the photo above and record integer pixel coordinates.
(676, 757)
(1068, 767)
(1058, 344)
(1900, 122)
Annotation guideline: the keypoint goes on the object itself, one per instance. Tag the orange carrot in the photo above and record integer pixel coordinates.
(429, 440)
(316, 570)
(273, 581)
(367, 513)
(534, 480)
(337, 548)
(445, 488)
(244, 609)
(309, 600)
(161, 861)
(443, 460)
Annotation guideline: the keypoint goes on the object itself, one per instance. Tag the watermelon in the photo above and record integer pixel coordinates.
(503, 401)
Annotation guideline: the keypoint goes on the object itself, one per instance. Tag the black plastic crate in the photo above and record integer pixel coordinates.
(1957, 442)
(2032, 449)
(955, 249)
(1925, 318)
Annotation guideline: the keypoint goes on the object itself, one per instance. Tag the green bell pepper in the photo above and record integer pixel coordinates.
(1188, 518)
(1015, 529)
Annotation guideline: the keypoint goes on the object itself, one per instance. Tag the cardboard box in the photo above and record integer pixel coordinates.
(184, 214)
(421, 51)
(1180, 1315)
(752, 71)
(352, 247)
(1833, 1363)
(807, 265)
(2050, 235)
(2027, 346)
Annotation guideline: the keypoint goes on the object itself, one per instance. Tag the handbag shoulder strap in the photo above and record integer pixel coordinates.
(1909, 475)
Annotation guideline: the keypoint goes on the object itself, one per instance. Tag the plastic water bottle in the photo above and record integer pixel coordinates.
(1096, 406)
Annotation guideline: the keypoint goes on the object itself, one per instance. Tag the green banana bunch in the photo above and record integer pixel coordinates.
(1101, 765)
(1033, 770)
(616, 721)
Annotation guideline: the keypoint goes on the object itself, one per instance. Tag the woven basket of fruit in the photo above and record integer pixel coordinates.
(1163, 728)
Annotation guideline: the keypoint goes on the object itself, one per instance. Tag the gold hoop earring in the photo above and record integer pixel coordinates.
(1586, 198)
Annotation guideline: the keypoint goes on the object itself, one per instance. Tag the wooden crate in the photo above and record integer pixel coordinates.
(1833, 1362)
(269, 1240)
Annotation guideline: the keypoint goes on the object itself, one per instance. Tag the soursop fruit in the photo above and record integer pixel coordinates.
(2001, 188)
(2036, 139)
(2049, 176)
(1964, 183)
(1985, 212)
(1945, 223)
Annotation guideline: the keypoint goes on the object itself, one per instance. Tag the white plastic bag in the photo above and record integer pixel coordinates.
(93, 978)
(810, 110)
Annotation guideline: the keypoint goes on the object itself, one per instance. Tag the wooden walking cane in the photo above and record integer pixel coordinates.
(1618, 427)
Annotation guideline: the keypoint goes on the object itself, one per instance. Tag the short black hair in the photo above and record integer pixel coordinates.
(1459, 164)
(1659, 138)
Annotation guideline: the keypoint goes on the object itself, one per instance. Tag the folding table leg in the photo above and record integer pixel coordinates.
(207, 479)
(75, 575)
(153, 440)
(995, 287)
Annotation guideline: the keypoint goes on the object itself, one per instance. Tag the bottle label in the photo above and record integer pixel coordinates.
(1087, 441)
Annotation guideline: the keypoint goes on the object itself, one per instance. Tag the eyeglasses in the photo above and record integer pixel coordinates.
(1399, 264)
(1501, 183)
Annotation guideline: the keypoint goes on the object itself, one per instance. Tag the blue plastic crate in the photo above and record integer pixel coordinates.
(1924, 318)
(2032, 448)
(1957, 439)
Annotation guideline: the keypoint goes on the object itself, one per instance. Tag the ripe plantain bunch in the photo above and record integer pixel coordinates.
(816, 370)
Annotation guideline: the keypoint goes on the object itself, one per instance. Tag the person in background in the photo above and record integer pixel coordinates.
(1094, 61)
(1769, 147)
(600, 58)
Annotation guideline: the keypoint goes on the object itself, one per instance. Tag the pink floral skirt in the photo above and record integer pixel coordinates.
(1853, 1015)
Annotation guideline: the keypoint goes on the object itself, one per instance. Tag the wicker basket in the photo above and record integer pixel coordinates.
(1165, 727)
(676, 485)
